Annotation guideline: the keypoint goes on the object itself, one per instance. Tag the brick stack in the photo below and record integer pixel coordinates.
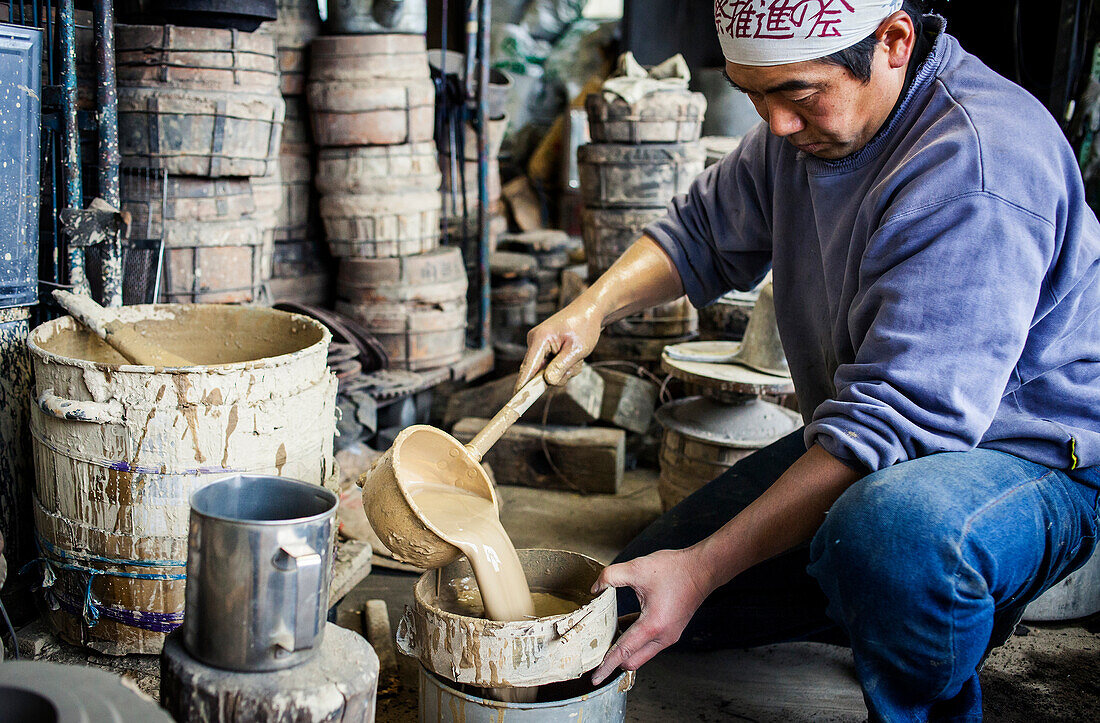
(645, 151)
(303, 269)
(200, 120)
(372, 104)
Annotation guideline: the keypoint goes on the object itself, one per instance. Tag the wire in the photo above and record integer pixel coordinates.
(11, 631)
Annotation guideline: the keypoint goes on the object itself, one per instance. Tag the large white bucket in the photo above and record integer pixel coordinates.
(120, 448)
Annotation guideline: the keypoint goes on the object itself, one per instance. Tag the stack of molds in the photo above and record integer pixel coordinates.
(646, 127)
(200, 123)
(303, 268)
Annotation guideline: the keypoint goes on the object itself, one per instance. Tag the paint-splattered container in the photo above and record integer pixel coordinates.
(572, 702)
(120, 448)
(522, 654)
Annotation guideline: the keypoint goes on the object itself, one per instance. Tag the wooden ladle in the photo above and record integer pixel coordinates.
(423, 453)
(122, 337)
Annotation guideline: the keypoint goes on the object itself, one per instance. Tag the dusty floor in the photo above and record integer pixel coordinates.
(1051, 673)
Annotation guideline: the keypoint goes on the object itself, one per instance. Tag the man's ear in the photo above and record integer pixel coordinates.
(899, 37)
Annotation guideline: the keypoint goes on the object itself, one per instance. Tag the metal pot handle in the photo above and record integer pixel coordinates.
(406, 638)
(307, 579)
(80, 411)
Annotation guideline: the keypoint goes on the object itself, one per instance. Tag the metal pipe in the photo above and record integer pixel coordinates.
(70, 137)
(485, 9)
(109, 159)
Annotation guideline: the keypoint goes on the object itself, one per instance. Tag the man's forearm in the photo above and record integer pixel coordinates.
(788, 513)
(644, 276)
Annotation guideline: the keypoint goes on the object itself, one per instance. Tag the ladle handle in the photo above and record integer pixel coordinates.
(492, 432)
(124, 338)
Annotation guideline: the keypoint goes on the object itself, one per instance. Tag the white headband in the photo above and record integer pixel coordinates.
(775, 32)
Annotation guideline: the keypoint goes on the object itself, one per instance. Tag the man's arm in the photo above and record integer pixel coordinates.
(642, 277)
(672, 584)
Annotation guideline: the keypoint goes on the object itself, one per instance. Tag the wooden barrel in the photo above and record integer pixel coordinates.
(297, 138)
(608, 232)
(671, 116)
(703, 438)
(371, 112)
(382, 225)
(378, 169)
(514, 309)
(120, 448)
(217, 261)
(727, 318)
(369, 57)
(194, 132)
(152, 199)
(415, 336)
(301, 273)
(267, 191)
(643, 351)
(674, 319)
(467, 185)
(297, 24)
(434, 277)
(292, 218)
(642, 176)
(186, 57)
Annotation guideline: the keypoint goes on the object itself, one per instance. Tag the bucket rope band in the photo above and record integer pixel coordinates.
(52, 558)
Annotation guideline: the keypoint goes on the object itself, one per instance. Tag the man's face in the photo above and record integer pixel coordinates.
(821, 108)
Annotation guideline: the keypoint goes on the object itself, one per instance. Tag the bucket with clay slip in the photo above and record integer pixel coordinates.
(259, 564)
(521, 654)
(120, 448)
(572, 702)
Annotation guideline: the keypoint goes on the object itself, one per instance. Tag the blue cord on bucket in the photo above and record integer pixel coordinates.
(91, 609)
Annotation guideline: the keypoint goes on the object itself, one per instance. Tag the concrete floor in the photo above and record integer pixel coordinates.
(1051, 673)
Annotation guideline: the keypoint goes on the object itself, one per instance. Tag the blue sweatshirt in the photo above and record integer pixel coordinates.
(936, 291)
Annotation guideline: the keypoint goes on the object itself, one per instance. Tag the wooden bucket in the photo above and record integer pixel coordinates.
(301, 272)
(467, 185)
(376, 226)
(199, 132)
(372, 112)
(185, 57)
(703, 438)
(436, 276)
(378, 169)
(462, 647)
(369, 57)
(415, 335)
(183, 198)
(671, 116)
(217, 261)
(514, 309)
(674, 319)
(608, 232)
(120, 448)
(642, 176)
(727, 318)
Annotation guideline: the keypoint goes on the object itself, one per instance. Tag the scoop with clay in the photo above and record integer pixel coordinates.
(423, 454)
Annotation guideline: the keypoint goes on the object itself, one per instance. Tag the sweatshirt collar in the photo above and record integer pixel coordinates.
(921, 80)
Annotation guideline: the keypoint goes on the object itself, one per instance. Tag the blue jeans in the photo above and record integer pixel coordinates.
(922, 568)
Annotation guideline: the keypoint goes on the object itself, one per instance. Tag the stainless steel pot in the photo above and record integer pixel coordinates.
(258, 572)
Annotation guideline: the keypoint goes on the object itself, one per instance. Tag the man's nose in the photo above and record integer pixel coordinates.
(783, 121)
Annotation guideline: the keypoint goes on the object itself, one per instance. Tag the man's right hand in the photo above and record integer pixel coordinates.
(564, 339)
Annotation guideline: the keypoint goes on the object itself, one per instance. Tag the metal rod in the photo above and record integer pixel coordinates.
(70, 137)
(485, 9)
(109, 159)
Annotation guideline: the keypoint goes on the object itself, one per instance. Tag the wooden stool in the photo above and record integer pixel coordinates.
(337, 685)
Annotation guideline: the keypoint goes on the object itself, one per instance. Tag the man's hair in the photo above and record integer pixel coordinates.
(857, 58)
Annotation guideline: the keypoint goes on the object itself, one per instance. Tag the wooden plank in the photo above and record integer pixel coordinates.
(579, 402)
(376, 621)
(628, 401)
(579, 459)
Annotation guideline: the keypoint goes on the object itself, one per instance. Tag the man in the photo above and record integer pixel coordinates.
(935, 269)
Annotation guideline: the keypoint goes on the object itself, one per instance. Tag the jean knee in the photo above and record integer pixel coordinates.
(887, 539)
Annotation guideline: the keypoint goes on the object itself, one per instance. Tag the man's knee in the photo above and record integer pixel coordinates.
(893, 535)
